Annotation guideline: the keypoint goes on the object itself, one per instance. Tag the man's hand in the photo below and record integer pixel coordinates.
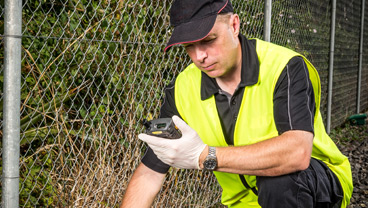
(180, 153)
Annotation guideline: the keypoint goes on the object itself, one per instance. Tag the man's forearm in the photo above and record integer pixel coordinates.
(143, 187)
(284, 154)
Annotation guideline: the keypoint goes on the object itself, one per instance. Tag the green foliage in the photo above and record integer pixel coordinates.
(87, 67)
(37, 188)
(348, 132)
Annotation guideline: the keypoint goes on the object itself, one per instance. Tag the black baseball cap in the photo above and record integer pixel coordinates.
(193, 19)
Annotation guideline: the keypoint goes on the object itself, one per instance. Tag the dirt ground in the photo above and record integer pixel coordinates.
(353, 142)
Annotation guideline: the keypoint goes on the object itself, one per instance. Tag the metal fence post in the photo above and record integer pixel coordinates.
(267, 21)
(331, 62)
(11, 109)
(360, 56)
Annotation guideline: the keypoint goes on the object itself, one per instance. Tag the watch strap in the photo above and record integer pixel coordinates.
(210, 163)
(212, 151)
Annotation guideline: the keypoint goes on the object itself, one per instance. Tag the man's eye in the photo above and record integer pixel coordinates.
(187, 46)
(209, 40)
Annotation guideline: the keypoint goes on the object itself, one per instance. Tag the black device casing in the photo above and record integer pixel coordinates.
(162, 127)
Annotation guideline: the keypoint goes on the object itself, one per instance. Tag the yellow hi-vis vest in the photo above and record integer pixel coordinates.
(255, 121)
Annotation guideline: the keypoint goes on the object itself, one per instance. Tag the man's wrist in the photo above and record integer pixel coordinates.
(203, 156)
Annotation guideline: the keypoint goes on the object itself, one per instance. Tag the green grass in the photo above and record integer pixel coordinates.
(348, 132)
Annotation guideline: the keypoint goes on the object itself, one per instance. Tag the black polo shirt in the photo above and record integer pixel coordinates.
(294, 105)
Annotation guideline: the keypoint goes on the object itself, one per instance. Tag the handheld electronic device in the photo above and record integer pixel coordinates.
(162, 127)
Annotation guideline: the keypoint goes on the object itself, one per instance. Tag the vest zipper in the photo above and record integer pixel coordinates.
(245, 183)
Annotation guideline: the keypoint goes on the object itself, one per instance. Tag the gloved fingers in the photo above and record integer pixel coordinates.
(184, 127)
(158, 149)
(154, 141)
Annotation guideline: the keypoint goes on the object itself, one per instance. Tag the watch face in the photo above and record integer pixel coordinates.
(210, 164)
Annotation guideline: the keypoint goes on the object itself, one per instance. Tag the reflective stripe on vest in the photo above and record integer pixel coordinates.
(257, 124)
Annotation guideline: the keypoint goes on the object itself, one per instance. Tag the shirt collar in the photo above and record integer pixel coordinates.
(249, 69)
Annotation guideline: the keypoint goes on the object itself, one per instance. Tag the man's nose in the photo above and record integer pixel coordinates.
(201, 54)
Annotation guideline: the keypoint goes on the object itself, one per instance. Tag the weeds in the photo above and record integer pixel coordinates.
(348, 132)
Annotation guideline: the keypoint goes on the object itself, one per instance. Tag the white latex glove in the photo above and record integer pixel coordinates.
(180, 153)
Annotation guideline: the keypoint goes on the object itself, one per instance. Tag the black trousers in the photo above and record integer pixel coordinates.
(317, 186)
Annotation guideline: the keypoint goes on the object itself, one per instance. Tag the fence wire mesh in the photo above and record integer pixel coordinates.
(92, 70)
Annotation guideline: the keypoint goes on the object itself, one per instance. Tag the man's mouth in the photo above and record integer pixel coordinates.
(209, 67)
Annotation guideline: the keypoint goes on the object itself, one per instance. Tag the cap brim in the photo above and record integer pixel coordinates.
(191, 31)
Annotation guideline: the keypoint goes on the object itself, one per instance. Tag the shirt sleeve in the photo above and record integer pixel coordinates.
(294, 105)
(168, 109)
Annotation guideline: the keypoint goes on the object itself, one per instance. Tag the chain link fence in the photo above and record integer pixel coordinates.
(92, 70)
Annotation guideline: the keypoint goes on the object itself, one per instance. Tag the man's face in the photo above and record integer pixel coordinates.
(217, 55)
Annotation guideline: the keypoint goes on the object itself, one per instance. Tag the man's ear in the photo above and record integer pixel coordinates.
(235, 24)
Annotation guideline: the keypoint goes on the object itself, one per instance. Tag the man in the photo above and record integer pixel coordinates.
(249, 111)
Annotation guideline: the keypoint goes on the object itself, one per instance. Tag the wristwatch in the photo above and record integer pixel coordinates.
(210, 163)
